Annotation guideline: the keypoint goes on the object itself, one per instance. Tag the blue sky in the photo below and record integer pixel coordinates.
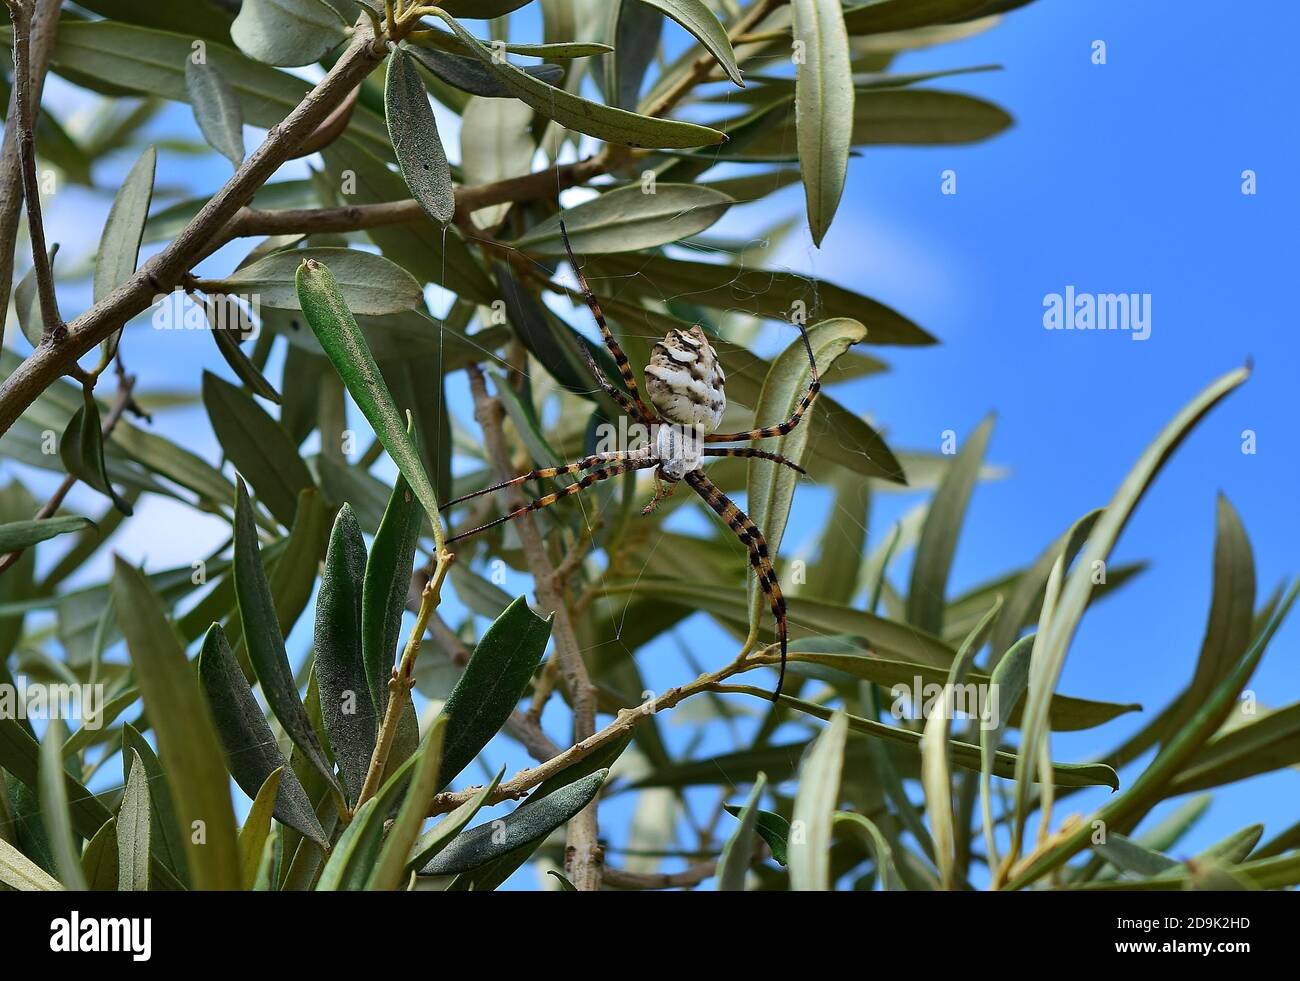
(1123, 177)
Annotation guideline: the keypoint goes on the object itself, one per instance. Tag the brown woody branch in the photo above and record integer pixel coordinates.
(44, 27)
(164, 271)
(584, 858)
(26, 101)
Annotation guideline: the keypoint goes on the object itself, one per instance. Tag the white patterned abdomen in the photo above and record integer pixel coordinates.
(685, 382)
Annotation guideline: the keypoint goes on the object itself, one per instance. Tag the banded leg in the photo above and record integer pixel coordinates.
(751, 453)
(542, 502)
(621, 397)
(805, 403)
(749, 535)
(545, 473)
(641, 411)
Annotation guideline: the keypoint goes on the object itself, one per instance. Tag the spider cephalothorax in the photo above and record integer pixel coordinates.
(685, 384)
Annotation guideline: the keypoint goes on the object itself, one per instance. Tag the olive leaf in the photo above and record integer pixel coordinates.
(287, 32)
(216, 109)
(414, 132)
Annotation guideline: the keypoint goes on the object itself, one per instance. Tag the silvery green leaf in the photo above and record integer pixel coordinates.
(217, 109)
(414, 132)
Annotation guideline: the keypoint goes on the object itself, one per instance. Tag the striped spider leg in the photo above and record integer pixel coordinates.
(686, 388)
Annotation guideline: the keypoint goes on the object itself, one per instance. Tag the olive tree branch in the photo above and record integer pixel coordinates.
(44, 27)
(583, 854)
(166, 269)
(626, 720)
(25, 100)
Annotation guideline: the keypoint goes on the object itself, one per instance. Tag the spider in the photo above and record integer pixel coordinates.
(686, 387)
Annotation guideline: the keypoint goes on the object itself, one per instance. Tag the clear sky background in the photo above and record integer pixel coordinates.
(1123, 177)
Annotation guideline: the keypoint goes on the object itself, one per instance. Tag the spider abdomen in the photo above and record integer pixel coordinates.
(685, 382)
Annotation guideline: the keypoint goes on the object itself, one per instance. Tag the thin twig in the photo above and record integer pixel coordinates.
(626, 720)
(44, 28)
(121, 402)
(403, 679)
(53, 329)
(690, 876)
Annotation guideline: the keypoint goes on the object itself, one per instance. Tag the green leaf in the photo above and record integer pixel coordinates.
(482, 9)
(1232, 606)
(603, 122)
(119, 243)
(880, 848)
(496, 143)
(27, 302)
(814, 808)
(134, 823)
(370, 284)
(216, 109)
(1152, 784)
(385, 586)
(963, 754)
(441, 834)
(353, 856)
(415, 140)
(564, 884)
(328, 314)
(763, 292)
(898, 117)
(936, 774)
(1128, 856)
(495, 678)
(81, 449)
(187, 740)
(943, 524)
(152, 63)
(629, 218)
(258, 446)
(771, 486)
(1010, 678)
(99, 861)
(257, 827)
(887, 16)
(773, 828)
(390, 870)
(525, 826)
(696, 17)
(165, 838)
(1262, 746)
(287, 32)
(265, 642)
(347, 705)
(1055, 635)
(251, 748)
(635, 30)
(823, 101)
(20, 872)
(225, 315)
(15, 535)
(54, 808)
(738, 852)
(466, 74)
